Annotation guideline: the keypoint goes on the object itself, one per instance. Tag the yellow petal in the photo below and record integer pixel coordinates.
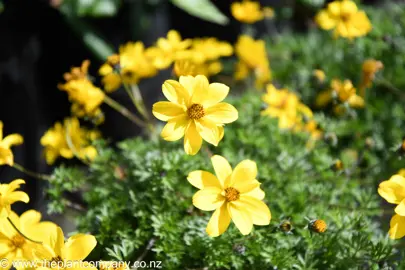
(200, 90)
(257, 209)
(192, 140)
(17, 196)
(15, 184)
(208, 131)
(324, 20)
(222, 168)
(215, 93)
(12, 139)
(397, 227)
(348, 7)
(208, 199)
(29, 218)
(219, 221)
(6, 156)
(165, 110)
(203, 179)
(244, 175)
(257, 193)
(105, 69)
(188, 83)
(241, 218)
(391, 190)
(6, 228)
(175, 92)
(79, 246)
(175, 128)
(222, 113)
(400, 209)
(1, 130)
(58, 242)
(221, 132)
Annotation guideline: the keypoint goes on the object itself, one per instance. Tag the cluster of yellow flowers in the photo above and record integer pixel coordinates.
(27, 238)
(343, 93)
(290, 111)
(191, 57)
(393, 191)
(345, 18)
(67, 140)
(250, 11)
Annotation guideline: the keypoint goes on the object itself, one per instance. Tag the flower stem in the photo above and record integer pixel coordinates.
(124, 111)
(20, 233)
(31, 173)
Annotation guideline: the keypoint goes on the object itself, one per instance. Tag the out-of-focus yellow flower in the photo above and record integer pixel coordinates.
(393, 191)
(282, 104)
(6, 155)
(253, 56)
(195, 111)
(319, 75)
(345, 18)
(268, 12)
(233, 194)
(247, 11)
(344, 91)
(211, 48)
(318, 226)
(67, 255)
(187, 67)
(370, 68)
(85, 97)
(14, 246)
(67, 140)
(402, 172)
(8, 196)
(166, 49)
(132, 64)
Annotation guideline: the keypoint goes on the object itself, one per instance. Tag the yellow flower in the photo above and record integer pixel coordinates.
(8, 196)
(77, 73)
(67, 255)
(402, 172)
(253, 56)
(319, 75)
(281, 104)
(344, 91)
(247, 11)
(195, 111)
(211, 48)
(345, 18)
(56, 143)
(132, 64)
(393, 191)
(234, 195)
(370, 68)
(13, 245)
(187, 67)
(6, 155)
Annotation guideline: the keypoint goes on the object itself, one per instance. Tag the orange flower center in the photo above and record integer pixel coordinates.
(318, 225)
(196, 111)
(231, 194)
(18, 241)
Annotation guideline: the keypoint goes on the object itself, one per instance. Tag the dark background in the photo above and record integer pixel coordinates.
(37, 46)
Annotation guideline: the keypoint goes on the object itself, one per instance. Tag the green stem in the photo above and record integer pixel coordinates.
(31, 173)
(124, 111)
(388, 85)
(19, 232)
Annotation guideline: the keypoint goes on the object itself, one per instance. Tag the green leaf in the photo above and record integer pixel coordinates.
(202, 9)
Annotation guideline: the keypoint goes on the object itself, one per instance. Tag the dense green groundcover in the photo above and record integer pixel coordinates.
(138, 200)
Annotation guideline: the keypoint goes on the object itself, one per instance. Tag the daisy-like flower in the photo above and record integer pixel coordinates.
(15, 246)
(345, 18)
(6, 155)
(195, 111)
(393, 191)
(67, 255)
(234, 195)
(247, 11)
(9, 195)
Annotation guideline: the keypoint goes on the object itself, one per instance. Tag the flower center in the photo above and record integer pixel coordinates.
(196, 111)
(18, 241)
(231, 194)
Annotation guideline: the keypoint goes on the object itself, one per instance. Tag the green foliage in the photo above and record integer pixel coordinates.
(139, 202)
(203, 9)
